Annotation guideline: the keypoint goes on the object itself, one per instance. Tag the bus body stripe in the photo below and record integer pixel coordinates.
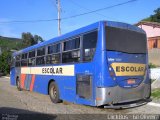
(32, 83)
(23, 78)
(60, 70)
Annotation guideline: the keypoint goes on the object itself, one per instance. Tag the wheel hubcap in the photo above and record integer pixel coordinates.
(53, 92)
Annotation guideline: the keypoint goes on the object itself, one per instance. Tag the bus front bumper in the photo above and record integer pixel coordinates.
(123, 97)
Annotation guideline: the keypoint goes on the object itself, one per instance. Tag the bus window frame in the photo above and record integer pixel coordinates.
(13, 61)
(45, 46)
(81, 46)
(24, 59)
(32, 51)
(17, 60)
(61, 42)
(69, 39)
(95, 30)
(19, 57)
(32, 57)
(24, 53)
(40, 48)
(53, 45)
(60, 62)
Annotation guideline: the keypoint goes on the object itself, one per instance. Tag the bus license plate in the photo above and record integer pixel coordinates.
(131, 81)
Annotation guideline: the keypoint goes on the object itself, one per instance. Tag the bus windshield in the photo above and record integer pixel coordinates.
(124, 40)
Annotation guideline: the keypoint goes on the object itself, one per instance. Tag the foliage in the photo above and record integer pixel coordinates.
(7, 44)
(28, 39)
(152, 80)
(156, 93)
(5, 62)
(151, 65)
(155, 17)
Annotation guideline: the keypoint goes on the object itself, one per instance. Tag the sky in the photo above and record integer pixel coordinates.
(24, 10)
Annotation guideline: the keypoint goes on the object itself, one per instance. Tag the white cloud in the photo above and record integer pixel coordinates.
(6, 30)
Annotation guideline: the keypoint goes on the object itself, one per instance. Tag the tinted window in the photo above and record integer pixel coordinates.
(18, 64)
(73, 51)
(31, 54)
(53, 59)
(72, 56)
(13, 61)
(54, 48)
(71, 44)
(89, 45)
(18, 57)
(124, 40)
(40, 60)
(41, 51)
(24, 63)
(31, 62)
(24, 56)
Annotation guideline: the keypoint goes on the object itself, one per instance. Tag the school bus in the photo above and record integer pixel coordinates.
(102, 64)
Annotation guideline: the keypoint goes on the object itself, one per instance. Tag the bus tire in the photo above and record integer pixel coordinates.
(18, 84)
(54, 92)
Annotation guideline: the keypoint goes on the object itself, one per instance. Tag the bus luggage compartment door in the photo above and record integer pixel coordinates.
(84, 86)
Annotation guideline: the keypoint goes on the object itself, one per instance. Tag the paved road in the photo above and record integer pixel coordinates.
(23, 101)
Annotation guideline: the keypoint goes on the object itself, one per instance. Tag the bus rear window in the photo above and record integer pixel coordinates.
(124, 40)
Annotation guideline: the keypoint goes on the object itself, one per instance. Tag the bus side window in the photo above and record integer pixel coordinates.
(18, 57)
(53, 56)
(31, 58)
(24, 61)
(13, 61)
(89, 45)
(24, 56)
(40, 60)
(53, 59)
(71, 51)
(31, 62)
(18, 62)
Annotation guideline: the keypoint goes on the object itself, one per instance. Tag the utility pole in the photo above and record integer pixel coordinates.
(59, 17)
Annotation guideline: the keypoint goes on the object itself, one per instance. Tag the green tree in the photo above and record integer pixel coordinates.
(5, 62)
(28, 39)
(38, 39)
(155, 17)
(8, 44)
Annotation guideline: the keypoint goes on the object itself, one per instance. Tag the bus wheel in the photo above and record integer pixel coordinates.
(18, 84)
(54, 92)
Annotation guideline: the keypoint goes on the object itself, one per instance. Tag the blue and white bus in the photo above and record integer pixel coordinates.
(102, 64)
